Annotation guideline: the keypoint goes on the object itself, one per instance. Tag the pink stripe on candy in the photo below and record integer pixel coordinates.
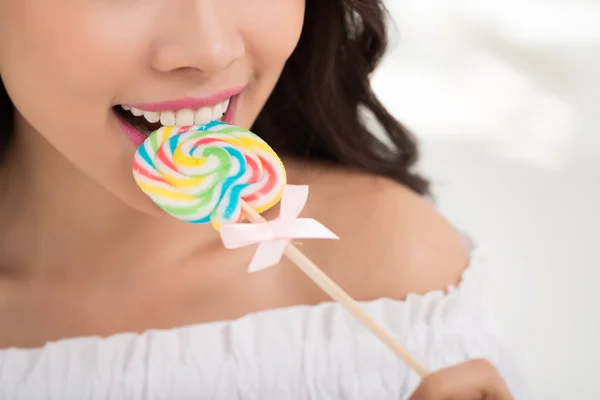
(146, 173)
(253, 166)
(267, 187)
(205, 141)
(161, 155)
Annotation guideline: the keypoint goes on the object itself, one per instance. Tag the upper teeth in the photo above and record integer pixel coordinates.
(186, 117)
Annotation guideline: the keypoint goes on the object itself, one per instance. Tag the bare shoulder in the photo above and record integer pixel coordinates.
(393, 241)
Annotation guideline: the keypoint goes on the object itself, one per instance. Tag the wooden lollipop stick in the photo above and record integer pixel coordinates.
(338, 294)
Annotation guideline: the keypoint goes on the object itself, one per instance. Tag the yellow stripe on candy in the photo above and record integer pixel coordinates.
(162, 192)
(230, 140)
(165, 133)
(185, 182)
(250, 142)
(182, 159)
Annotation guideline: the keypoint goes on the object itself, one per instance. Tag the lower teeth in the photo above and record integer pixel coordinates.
(144, 129)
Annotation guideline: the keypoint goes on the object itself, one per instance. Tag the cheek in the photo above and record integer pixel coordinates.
(57, 63)
(271, 29)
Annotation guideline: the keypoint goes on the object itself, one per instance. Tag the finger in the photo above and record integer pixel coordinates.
(472, 380)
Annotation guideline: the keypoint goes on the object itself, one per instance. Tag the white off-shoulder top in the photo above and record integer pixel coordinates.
(296, 353)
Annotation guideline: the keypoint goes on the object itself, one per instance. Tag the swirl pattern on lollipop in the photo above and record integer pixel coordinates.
(200, 174)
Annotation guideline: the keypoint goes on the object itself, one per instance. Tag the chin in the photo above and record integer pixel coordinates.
(131, 196)
(148, 207)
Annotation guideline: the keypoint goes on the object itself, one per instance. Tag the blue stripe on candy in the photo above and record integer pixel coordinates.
(211, 125)
(235, 153)
(143, 152)
(173, 143)
(235, 200)
(204, 220)
(236, 190)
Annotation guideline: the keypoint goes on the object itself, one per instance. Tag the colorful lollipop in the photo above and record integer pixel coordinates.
(217, 173)
(200, 174)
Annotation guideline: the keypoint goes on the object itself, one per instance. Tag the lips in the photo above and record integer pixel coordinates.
(139, 121)
(148, 121)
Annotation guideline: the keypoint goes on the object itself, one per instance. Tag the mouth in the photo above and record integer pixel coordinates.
(147, 122)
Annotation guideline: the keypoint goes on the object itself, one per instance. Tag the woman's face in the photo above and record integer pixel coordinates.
(84, 73)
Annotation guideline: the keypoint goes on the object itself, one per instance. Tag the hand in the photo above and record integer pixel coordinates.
(472, 380)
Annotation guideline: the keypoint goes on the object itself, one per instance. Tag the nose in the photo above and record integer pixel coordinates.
(197, 35)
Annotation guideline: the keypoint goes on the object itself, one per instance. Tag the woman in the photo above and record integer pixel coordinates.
(104, 296)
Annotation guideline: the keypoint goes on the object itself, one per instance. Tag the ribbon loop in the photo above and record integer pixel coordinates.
(293, 200)
(273, 236)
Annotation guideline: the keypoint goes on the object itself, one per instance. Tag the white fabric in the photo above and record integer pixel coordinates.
(303, 352)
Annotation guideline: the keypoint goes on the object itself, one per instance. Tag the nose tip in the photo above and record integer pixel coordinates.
(208, 58)
(205, 40)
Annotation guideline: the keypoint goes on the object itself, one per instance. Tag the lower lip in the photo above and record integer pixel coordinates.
(138, 138)
(133, 134)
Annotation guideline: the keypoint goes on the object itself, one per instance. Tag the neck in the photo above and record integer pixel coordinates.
(53, 216)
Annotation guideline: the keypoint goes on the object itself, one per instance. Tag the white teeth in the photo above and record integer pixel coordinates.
(167, 118)
(143, 128)
(136, 112)
(216, 112)
(203, 116)
(152, 117)
(184, 117)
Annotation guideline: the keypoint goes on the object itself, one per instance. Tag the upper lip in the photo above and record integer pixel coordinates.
(187, 102)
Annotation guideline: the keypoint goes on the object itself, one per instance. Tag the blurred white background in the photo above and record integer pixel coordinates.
(505, 96)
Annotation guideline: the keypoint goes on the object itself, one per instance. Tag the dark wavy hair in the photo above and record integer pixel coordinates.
(315, 111)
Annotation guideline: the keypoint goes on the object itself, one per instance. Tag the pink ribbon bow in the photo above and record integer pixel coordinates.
(274, 235)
